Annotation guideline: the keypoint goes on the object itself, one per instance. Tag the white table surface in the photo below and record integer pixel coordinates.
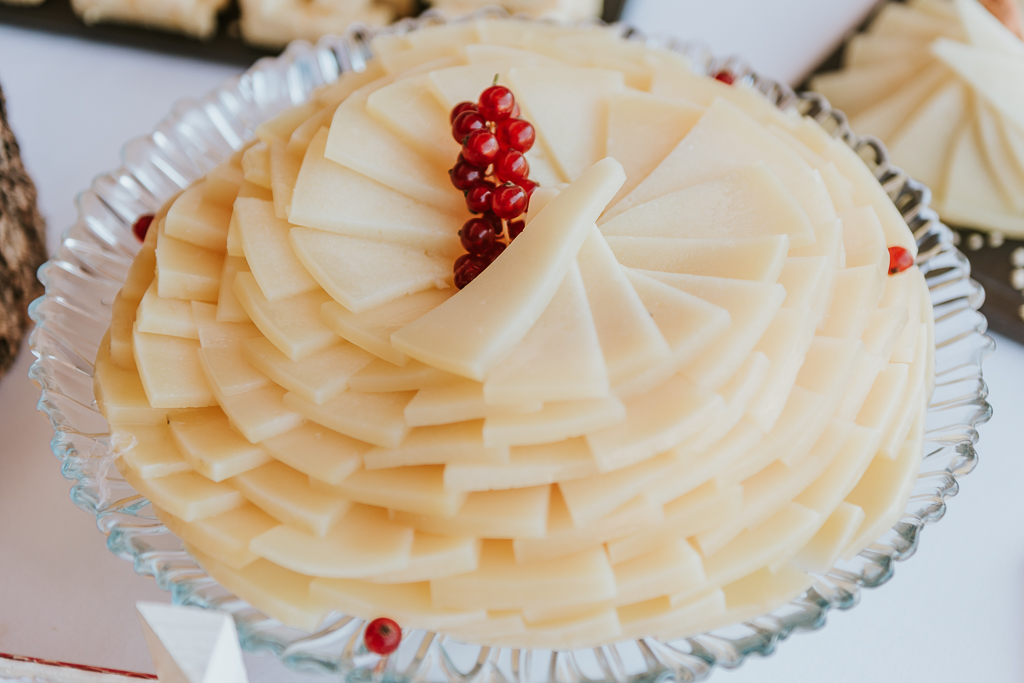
(953, 613)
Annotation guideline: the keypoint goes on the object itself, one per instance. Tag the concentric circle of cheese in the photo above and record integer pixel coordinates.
(689, 382)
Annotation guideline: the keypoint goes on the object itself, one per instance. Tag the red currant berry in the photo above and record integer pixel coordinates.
(509, 201)
(529, 186)
(496, 103)
(516, 134)
(495, 251)
(514, 228)
(465, 124)
(477, 236)
(480, 147)
(899, 260)
(382, 636)
(465, 175)
(141, 226)
(467, 258)
(494, 222)
(459, 108)
(725, 77)
(511, 166)
(467, 273)
(480, 197)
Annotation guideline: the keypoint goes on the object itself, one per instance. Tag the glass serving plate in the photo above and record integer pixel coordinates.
(93, 260)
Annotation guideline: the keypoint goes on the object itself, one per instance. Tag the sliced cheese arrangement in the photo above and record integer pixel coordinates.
(688, 385)
(939, 82)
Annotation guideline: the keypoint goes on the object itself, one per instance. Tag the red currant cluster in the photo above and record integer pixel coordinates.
(493, 173)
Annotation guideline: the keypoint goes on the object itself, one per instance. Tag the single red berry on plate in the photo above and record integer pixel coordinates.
(516, 134)
(466, 273)
(141, 226)
(899, 260)
(496, 103)
(382, 636)
(495, 251)
(477, 236)
(529, 186)
(515, 228)
(509, 201)
(480, 148)
(465, 175)
(459, 108)
(479, 198)
(725, 77)
(466, 123)
(511, 165)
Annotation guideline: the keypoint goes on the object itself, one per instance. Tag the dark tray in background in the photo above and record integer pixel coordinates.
(56, 16)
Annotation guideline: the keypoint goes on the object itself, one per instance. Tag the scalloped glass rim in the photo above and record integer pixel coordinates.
(90, 266)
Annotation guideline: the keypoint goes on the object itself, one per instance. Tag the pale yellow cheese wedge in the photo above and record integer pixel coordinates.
(1007, 169)
(362, 274)
(224, 181)
(559, 359)
(824, 550)
(434, 557)
(527, 466)
(589, 500)
(917, 395)
(256, 164)
(629, 337)
(172, 317)
(148, 449)
(362, 543)
(602, 49)
(987, 71)
(259, 414)
(511, 514)
(985, 30)
(372, 329)
(887, 117)
(229, 372)
(785, 343)
(285, 494)
(564, 538)
(555, 422)
(749, 202)
(411, 111)
(188, 496)
(380, 375)
(170, 371)
(316, 378)
(332, 197)
(655, 422)
(973, 198)
(214, 333)
(658, 617)
(685, 516)
(754, 594)
(193, 218)
(408, 602)
(568, 107)
(500, 583)
(854, 302)
(826, 493)
(282, 594)
(642, 129)
(438, 445)
(758, 259)
(264, 236)
(374, 418)
(120, 396)
(855, 89)
(582, 630)
(280, 127)
(671, 569)
(293, 324)
(468, 334)
(187, 271)
(864, 239)
(909, 22)
(284, 169)
(229, 309)
(923, 144)
(225, 537)
(868, 49)
(417, 490)
(208, 443)
(359, 142)
(318, 452)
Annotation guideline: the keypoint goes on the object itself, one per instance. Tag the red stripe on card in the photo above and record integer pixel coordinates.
(79, 667)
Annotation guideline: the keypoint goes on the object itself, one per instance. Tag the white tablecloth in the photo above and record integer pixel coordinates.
(953, 613)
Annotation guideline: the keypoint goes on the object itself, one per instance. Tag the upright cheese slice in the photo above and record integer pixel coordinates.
(265, 242)
(468, 334)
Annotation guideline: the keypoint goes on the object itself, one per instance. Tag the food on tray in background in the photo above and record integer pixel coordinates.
(196, 18)
(697, 376)
(22, 244)
(941, 83)
(275, 23)
(568, 10)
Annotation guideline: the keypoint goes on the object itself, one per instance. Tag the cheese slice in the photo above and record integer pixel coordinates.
(374, 418)
(434, 557)
(758, 259)
(148, 449)
(458, 401)
(411, 111)
(293, 324)
(259, 414)
(285, 494)
(380, 376)
(362, 274)
(987, 71)
(195, 219)
(417, 490)
(362, 543)
(408, 602)
(284, 170)
(120, 396)
(511, 514)
(749, 202)
(334, 198)
(555, 422)
(589, 500)
(316, 378)
(208, 443)
(438, 445)
(170, 371)
(271, 260)
(229, 309)
(225, 537)
(187, 271)
(188, 496)
(468, 334)
(527, 466)
(229, 372)
(318, 452)
(671, 569)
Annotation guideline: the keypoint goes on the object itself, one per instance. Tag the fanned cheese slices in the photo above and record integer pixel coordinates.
(952, 113)
(668, 400)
